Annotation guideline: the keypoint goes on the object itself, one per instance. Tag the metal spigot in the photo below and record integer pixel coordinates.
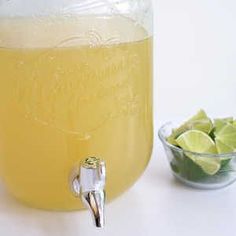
(89, 184)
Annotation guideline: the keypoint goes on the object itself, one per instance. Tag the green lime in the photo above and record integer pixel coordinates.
(227, 135)
(209, 165)
(201, 115)
(228, 120)
(234, 123)
(199, 142)
(198, 122)
(223, 148)
(196, 141)
(220, 123)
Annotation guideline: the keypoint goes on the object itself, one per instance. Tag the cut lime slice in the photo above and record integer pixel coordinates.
(198, 122)
(223, 148)
(196, 141)
(201, 115)
(220, 123)
(209, 165)
(234, 123)
(227, 135)
(228, 120)
(199, 142)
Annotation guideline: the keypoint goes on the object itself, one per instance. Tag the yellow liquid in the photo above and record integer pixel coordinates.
(64, 100)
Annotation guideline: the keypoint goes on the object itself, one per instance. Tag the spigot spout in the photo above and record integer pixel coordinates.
(95, 202)
(89, 184)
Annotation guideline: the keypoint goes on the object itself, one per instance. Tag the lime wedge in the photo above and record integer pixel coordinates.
(209, 165)
(223, 148)
(198, 122)
(220, 123)
(234, 123)
(199, 142)
(227, 135)
(201, 115)
(228, 120)
(196, 141)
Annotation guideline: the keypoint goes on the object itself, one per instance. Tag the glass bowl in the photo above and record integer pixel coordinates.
(190, 173)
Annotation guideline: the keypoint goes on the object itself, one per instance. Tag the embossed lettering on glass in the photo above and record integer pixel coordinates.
(75, 100)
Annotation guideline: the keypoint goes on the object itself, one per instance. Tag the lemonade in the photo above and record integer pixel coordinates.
(67, 92)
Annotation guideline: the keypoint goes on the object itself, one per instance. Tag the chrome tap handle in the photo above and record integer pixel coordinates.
(89, 184)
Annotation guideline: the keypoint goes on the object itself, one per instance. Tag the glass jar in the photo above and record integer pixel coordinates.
(76, 82)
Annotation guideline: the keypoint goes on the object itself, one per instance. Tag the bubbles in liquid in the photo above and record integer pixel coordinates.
(77, 73)
(77, 90)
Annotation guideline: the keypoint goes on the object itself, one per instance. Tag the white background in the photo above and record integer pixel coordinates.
(196, 57)
(195, 64)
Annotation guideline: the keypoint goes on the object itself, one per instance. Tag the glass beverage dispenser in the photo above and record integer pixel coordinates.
(75, 100)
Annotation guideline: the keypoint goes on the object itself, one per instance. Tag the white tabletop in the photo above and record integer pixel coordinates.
(195, 68)
(156, 205)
